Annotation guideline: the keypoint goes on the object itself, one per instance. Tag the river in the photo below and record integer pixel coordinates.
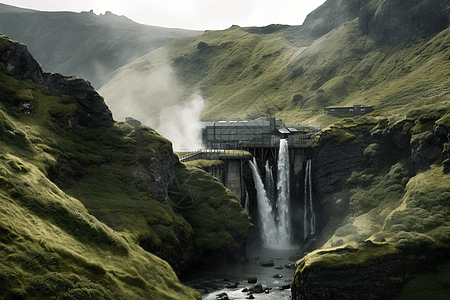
(212, 281)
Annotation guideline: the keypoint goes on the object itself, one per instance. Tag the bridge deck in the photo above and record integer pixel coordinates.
(215, 154)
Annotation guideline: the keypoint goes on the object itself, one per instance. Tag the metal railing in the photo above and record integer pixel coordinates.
(214, 154)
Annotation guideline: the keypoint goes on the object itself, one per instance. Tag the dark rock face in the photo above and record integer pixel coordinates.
(392, 21)
(20, 62)
(366, 282)
(333, 163)
(331, 15)
(388, 22)
(163, 170)
(93, 111)
(383, 280)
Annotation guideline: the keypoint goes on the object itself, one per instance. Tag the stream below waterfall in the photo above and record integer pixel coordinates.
(273, 241)
(212, 281)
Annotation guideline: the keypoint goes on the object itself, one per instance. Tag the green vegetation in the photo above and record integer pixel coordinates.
(248, 72)
(203, 163)
(428, 286)
(212, 210)
(80, 243)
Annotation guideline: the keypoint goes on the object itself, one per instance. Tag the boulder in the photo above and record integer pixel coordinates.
(222, 296)
(267, 263)
(232, 285)
(252, 280)
(132, 121)
(257, 288)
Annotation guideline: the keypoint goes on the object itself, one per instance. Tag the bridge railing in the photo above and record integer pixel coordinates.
(214, 154)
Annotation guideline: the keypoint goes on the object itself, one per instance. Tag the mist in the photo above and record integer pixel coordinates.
(148, 90)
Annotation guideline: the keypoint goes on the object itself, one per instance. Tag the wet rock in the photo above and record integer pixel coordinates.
(289, 265)
(267, 263)
(279, 267)
(250, 297)
(285, 287)
(277, 276)
(222, 296)
(252, 280)
(257, 288)
(232, 285)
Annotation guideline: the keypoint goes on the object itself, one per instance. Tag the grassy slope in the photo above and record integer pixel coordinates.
(245, 75)
(50, 245)
(105, 210)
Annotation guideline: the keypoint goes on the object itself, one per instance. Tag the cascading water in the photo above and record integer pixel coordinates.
(283, 199)
(266, 219)
(270, 184)
(275, 224)
(309, 219)
(246, 203)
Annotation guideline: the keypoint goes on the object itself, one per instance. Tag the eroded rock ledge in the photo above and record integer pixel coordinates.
(93, 111)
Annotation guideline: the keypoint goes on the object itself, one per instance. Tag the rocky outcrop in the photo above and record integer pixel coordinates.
(333, 163)
(331, 15)
(92, 112)
(390, 22)
(349, 164)
(387, 22)
(373, 280)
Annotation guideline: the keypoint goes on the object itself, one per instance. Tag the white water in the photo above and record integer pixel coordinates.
(266, 220)
(309, 218)
(284, 196)
(246, 203)
(275, 224)
(270, 184)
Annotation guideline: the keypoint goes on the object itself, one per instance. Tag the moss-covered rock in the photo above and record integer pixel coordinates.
(216, 215)
(397, 220)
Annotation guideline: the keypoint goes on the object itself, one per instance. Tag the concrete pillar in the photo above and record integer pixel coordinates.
(233, 177)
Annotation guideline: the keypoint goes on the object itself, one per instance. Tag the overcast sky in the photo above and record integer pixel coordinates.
(188, 14)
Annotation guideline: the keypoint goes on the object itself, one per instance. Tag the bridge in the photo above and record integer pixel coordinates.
(235, 142)
(214, 154)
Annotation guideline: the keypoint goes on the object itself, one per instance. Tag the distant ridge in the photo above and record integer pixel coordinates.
(88, 45)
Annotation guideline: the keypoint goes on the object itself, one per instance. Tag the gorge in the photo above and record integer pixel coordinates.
(95, 208)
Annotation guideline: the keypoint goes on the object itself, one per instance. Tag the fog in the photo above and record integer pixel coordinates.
(148, 90)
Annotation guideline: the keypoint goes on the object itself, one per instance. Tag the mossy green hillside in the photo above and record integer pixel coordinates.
(400, 212)
(246, 73)
(50, 244)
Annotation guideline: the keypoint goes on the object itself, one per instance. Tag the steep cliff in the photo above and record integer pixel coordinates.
(83, 196)
(384, 188)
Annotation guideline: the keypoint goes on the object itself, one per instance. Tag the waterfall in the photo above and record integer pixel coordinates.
(309, 224)
(270, 184)
(246, 203)
(283, 218)
(266, 219)
(275, 224)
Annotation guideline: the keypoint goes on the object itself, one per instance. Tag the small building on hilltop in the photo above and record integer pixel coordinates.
(348, 110)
